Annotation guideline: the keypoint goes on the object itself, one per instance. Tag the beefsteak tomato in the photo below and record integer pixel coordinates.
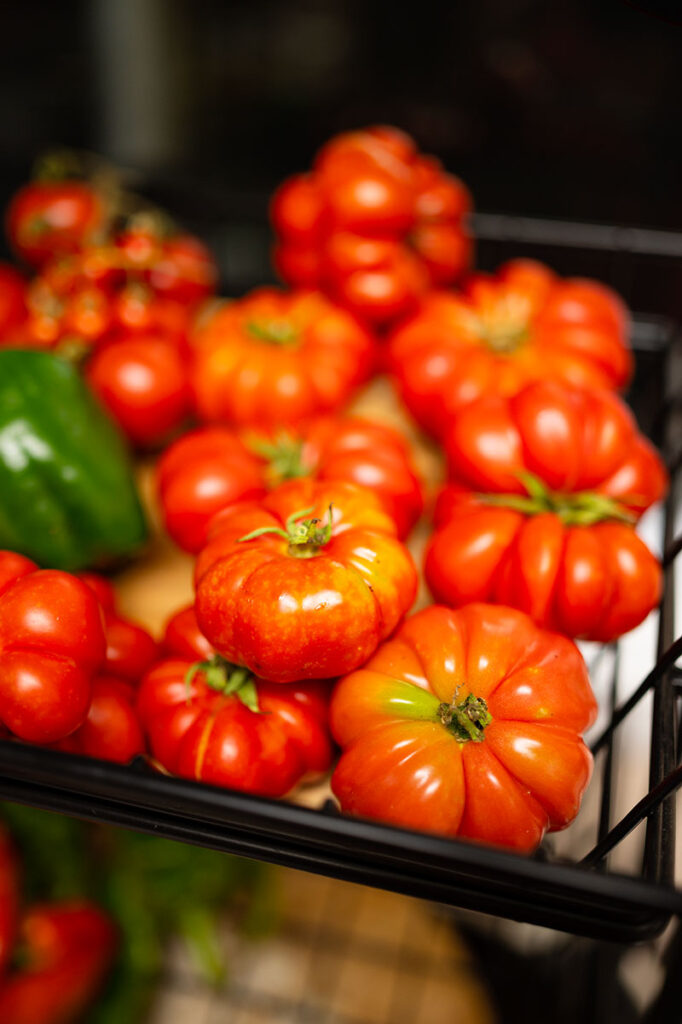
(305, 584)
(501, 332)
(275, 358)
(547, 486)
(466, 723)
(210, 468)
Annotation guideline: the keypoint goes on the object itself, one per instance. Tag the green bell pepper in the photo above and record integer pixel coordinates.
(67, 494)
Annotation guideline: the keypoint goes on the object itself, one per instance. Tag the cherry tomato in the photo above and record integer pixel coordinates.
(52, 218)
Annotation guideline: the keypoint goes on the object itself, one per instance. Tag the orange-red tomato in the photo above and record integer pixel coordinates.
(274, 358)
(374, 224)
(221, 725)
(466, 723)
(213, 467)
(112, 730)
(500, 333)
(304, 584)
(546, 488)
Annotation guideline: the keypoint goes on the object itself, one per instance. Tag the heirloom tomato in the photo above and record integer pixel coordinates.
(51, 643)
(213, 467)
(466, 723)
(67, 950)
(274, 358)
(501, 332)
(214, 722)
(375, 224)
(304, 584)
(547, 486)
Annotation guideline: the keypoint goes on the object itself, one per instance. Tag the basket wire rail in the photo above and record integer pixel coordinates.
(581, 896)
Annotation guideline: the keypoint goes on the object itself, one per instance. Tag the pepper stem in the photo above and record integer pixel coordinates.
(466, 720)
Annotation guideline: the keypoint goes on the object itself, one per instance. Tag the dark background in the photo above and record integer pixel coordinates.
(567, 110)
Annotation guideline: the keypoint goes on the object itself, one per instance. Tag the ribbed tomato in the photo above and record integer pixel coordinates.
(275, 358)
(466, 723)
(213, 467)
(546, 489)
(306, 583)
(501, 332)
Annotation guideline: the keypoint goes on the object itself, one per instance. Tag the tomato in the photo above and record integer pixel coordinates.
(142, 381)
(9, 898)
(467, 723)
(182, 637)
(374, 225)
(501, 332)
(208, 469)
(131, 650)
(111, 731)
(67, 950)
(12, 299)
(272, 359)
(305, 584)
(53, 218)
(51, 644)
(566, 476)
(220, 725)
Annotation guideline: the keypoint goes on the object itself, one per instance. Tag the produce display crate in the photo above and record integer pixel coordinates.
(583, 893)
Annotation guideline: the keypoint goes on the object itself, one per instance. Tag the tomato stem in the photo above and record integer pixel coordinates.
(226, 678)
(304, 536)
(584, 508)
(466, 720)
(274, 332)
(284, 455)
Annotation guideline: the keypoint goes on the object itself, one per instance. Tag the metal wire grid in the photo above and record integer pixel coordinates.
(585, 898)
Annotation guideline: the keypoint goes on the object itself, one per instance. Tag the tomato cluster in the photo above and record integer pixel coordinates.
(465, 718)
(375, 224)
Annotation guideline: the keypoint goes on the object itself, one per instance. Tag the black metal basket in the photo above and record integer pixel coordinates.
(581, 895)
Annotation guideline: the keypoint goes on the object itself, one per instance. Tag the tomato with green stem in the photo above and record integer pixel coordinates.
(466, 723)
(306, 583)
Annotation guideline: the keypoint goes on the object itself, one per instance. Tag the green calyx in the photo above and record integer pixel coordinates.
(274, 332)
(305, 537)
(228, 679)
(504, 341)
(467, 720)
(284, 455)
(584, 508)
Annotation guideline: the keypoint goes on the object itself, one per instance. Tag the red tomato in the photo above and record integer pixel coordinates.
(182, 637)
(185, 271)
(566, 475)
(51, 644)
(112, 731)
(502, 332)
(466, 723)
(272, 359)
(131, 650)
(208, 469)
(304, 584)
(9, 898)
(12, 299)
(52, 218)
(68, 950)
(374, 225)
(143, 383)
(223, 726)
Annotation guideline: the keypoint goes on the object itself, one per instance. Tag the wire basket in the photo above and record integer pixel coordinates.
(574, 888)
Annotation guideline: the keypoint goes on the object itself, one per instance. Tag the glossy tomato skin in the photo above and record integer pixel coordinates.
(51, 643)
(131, 649)
(143, 383)
(590, 579)
(52, 218)
(500, 332)
(68, 950)
(528, 769)
(202, 734)
(275, 358)
(374, 225)
(111, 731)
(182, 637)
(289, 617)
(211, 468)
